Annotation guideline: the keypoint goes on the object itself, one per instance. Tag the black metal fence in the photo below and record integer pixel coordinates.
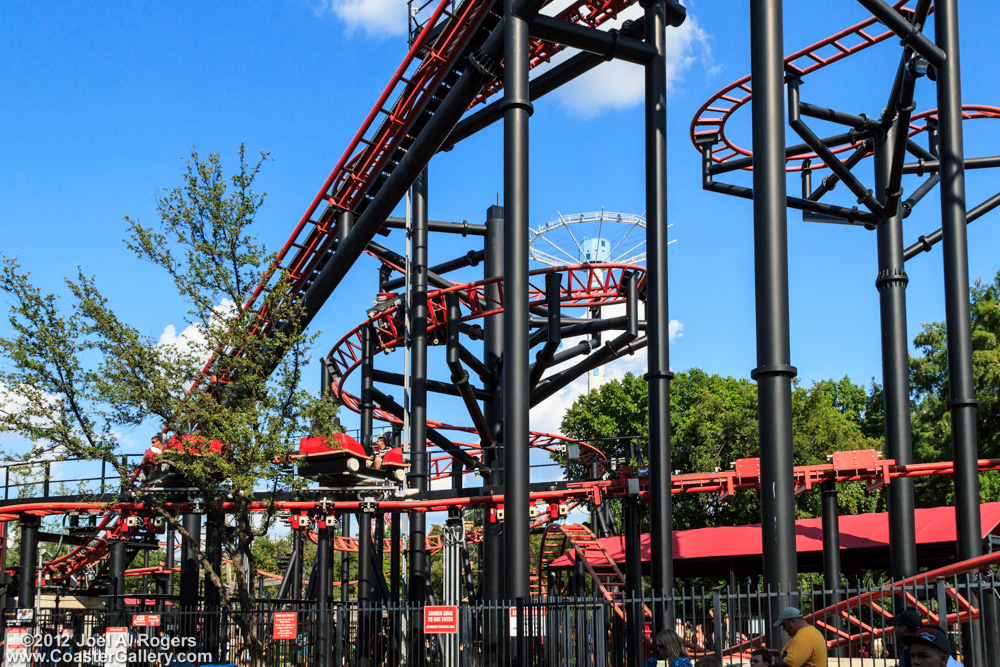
(724, 623)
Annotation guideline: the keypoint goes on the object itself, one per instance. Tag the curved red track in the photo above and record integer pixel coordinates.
(713, 116)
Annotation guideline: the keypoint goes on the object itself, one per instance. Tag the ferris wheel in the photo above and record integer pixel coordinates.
(585, 238)
(599, 237)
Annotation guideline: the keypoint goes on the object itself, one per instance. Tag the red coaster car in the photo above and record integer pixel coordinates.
(341, 455)
(152, 472)
(193, 444)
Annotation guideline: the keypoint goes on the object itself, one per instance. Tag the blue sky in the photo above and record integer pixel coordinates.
(102, 101)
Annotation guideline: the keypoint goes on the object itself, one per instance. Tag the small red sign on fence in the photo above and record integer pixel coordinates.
(145, 620)
(440, 620)
(286, 624)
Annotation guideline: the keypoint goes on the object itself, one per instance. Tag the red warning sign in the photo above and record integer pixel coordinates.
(145, 620)
(286, 624)
(440, 620)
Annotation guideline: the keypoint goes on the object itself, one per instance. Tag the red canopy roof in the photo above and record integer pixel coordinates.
(864, 543)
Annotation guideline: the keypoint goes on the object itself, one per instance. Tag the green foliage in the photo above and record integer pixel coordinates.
(714, 422)
(929, 387)
(77, 377)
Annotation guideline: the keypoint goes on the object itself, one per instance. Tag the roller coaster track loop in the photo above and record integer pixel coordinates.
(583, 285)
(714, 114)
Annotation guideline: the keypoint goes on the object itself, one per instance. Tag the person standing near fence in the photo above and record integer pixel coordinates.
(905, 624)
(930, 647)
(668, 647)
(806, 648)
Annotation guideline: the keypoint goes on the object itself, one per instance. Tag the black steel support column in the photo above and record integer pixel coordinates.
(774, 371)
(171, 545)
(658, 317)
(365, 575)
(116, 570)
(891, 284)
(324, 594)
(517, 109)
(419, 262)
(295, 592)
(831, 550)
(189, 562)
(345, 558)
(345, 220)
(962, 401)
(635, 621)
(367, 384)
(394, 558)
(364, 558)
(493, 535)
(189, 591)
(213, 597)
(29, 561)
(961, 382)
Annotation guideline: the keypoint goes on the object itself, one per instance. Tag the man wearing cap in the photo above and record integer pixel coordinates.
(905, 624)
(929, 647)
(806, 648)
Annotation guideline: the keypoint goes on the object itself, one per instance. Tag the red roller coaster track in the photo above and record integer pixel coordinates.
(713, 116)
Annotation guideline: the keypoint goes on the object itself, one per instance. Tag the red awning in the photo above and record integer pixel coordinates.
(864, 543)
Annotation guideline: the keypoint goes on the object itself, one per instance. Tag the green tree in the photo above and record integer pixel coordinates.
(929, 386)
(714, 423)
(80, 376)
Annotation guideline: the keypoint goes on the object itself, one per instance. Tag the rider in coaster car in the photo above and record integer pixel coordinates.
(379, 451)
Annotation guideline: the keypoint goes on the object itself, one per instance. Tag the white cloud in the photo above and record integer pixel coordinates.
(28, 399)
(192, 338)
(377, 18)
(618, 85)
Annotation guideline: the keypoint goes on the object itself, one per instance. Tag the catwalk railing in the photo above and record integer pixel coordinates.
(580, 630)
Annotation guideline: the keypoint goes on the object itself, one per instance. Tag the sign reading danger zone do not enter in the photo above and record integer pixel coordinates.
(440, 620)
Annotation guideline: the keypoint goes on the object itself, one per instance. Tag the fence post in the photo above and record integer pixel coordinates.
(942, 600)
(988, 619)
(717, 637)
(519, 650)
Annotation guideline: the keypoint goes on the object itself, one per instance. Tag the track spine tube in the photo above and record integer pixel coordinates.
(774, 371)
(517, 109)
(891, 284)
(658, 375)
(424, 146)
(962, 401)
(493, 532)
